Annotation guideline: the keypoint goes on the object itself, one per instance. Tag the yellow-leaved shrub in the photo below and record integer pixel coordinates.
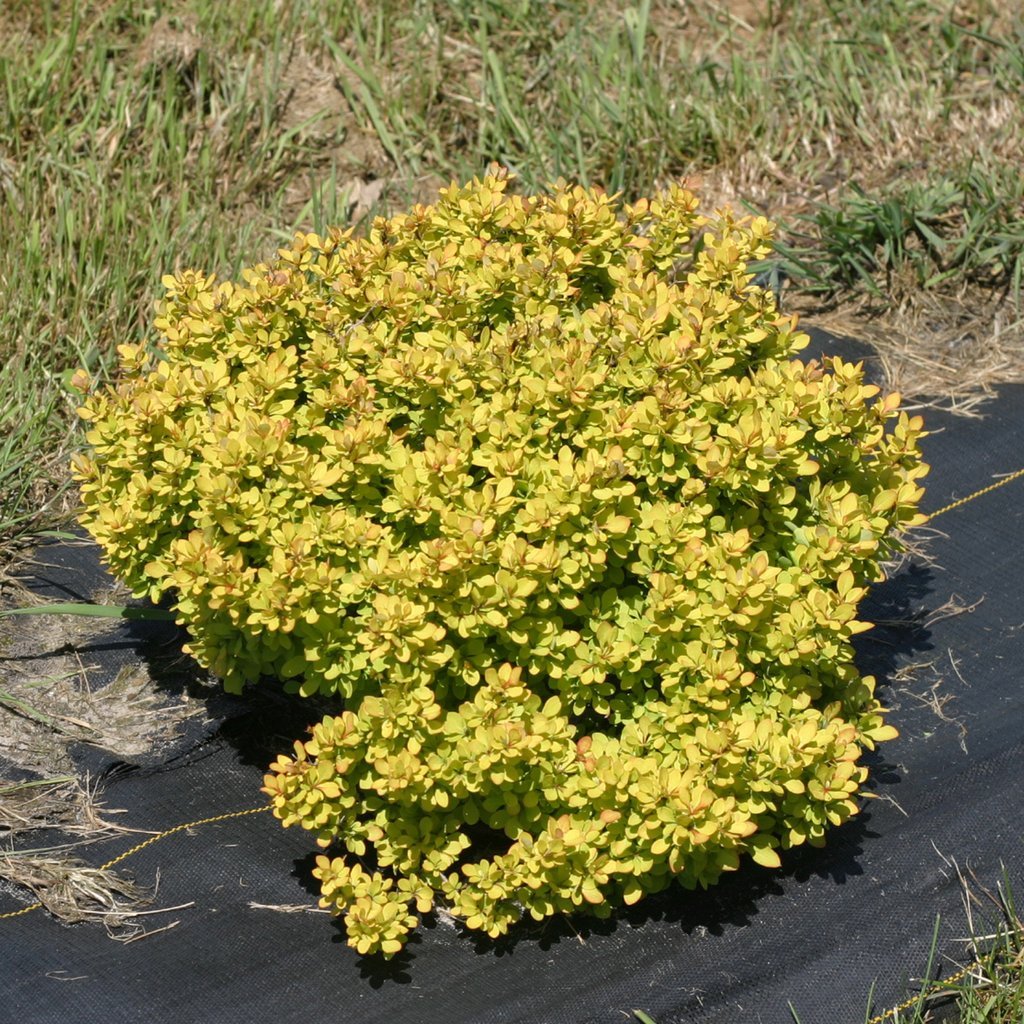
(537, 488)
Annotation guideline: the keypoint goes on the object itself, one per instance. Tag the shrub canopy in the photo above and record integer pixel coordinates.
(537, 487)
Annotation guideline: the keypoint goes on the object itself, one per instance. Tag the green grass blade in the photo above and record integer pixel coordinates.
(99, 611)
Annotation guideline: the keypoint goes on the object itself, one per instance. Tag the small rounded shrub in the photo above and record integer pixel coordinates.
(536, 486)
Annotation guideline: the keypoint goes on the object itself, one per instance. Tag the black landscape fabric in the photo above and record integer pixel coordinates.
(819, 934)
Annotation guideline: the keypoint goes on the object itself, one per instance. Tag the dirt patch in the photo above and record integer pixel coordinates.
(172, 41)
(314, 99)
(48, 702)
(320, 106)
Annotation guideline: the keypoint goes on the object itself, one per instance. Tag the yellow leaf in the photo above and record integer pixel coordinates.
(881, 733)
(766, 857)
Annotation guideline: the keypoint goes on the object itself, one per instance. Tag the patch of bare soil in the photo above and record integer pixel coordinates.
(320, 103)
(170, 42)
(315, 105)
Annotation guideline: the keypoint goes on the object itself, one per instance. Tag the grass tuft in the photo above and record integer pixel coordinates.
(965, 226)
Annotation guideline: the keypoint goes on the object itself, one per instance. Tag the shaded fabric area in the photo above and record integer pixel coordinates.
(818, 934)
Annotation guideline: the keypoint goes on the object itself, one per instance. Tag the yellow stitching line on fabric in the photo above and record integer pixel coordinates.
(148, 842)
(18, 913)
(180, 828)
(907, 1004)
(977, 494)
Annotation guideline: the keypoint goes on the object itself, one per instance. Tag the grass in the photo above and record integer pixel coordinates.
(886, 138)
(965, 227)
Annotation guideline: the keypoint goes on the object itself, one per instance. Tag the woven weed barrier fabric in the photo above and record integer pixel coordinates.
(819, 934)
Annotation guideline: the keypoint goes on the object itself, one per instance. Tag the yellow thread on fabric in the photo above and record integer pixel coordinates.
(977, 494)
(907, 1004)
(18, 913)
(149, 842)
(180, 828)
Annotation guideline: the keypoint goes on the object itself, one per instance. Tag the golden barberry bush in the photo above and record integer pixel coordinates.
(537, 487)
